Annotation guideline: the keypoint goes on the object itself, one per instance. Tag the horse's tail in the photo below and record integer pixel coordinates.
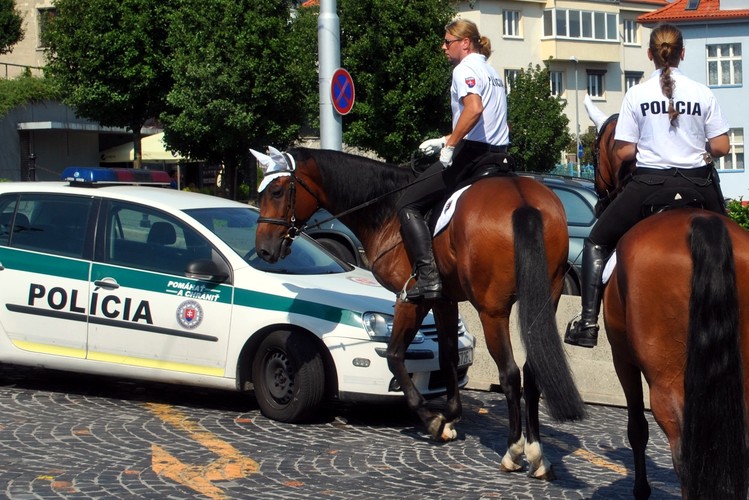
(713, 447)
(544, 353)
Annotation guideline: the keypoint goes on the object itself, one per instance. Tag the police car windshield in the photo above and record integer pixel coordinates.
(236, 226)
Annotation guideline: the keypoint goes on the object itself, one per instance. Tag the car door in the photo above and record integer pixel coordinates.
(46, 243)
(145, 311)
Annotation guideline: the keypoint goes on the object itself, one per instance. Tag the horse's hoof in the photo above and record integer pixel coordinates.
(436, 427)
(543, 474)
(507, 465)
(448, 432)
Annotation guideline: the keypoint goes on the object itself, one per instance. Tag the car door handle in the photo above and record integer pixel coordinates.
(108, 283)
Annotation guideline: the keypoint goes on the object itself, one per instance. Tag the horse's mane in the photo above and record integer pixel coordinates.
(351, 180)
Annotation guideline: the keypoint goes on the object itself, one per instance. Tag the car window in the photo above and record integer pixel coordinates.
(579, 212)
(138, 236)
(236, 227)
(55, 224)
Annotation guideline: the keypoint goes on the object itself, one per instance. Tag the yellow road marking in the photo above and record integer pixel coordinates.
(230, 465)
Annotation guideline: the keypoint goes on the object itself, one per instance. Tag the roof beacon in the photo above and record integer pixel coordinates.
(93, 176)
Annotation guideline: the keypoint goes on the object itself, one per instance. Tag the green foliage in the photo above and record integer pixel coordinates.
(237, 81)
(108, 58)
(25, 90)
(11, 26)
(402, 77)
(739, 212)
(538, 125)
(587, 141)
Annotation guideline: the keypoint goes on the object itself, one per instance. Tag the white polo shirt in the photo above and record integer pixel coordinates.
(643, 120)
(473, 75)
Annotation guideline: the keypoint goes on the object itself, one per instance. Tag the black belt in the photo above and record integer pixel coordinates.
(701, 172)
(484, 147)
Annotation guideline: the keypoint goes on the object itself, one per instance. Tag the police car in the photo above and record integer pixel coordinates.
(109, 272)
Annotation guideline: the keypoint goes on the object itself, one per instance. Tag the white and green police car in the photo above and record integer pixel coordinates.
(104, 274)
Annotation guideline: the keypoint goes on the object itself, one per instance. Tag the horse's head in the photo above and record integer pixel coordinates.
(284, 208)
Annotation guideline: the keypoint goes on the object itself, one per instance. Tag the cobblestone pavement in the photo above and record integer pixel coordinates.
(72, 436)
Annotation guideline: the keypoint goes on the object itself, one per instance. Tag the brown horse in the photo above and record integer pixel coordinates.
(507, 241)
(675, 311)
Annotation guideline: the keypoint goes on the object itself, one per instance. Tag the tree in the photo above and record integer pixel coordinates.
(538, 126)
(109, 60)
(393, 51)
(11, 26)
(237, 82)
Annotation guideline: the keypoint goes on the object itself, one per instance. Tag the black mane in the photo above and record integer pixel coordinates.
(351, 181)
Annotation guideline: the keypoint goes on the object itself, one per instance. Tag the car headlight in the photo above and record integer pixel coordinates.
(379, 327)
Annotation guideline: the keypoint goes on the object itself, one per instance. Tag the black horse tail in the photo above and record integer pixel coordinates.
(713, 447)
(544, 353)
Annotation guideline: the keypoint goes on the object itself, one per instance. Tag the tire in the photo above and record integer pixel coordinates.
(570, 285)
(289, 377)
(339, 250)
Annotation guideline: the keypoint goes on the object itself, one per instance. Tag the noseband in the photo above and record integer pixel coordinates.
(290, 217)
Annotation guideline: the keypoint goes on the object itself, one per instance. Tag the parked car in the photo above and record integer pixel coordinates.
(577, 194)
(107, 275)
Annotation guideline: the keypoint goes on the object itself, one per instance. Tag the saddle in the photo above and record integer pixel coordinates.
(486, 165)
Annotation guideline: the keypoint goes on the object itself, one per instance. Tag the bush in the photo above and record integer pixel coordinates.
(738, 210)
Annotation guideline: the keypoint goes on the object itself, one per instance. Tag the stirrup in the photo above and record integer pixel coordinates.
(581, 334)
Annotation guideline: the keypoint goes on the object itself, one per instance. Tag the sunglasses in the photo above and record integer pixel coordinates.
(448, 42)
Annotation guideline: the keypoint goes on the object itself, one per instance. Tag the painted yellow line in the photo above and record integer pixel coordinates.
(229, 465)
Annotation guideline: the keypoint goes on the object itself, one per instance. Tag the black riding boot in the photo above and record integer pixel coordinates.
(584, 332)
(418, 241)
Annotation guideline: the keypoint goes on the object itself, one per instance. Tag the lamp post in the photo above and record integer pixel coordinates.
(577, 118)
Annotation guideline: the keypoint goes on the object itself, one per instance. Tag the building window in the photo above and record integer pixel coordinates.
(735, 159)
(724, 64)
(556, 83)
(581, 24)
(511, 26)
(596, 87)
(631, 78)
(629, 27)
(510, 76)
(44, 16)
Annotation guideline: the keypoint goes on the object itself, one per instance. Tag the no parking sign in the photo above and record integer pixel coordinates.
(342, 91)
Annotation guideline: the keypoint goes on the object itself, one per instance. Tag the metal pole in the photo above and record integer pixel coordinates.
(577, 118)
(329, 54)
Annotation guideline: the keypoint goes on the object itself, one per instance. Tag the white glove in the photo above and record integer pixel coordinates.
(446, 156)
(431, 146)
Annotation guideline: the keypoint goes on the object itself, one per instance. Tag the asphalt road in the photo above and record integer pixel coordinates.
(73, 436)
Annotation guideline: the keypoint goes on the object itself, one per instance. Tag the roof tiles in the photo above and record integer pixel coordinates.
(707, 10)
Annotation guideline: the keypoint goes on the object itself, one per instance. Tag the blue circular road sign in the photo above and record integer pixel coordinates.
(342, 91)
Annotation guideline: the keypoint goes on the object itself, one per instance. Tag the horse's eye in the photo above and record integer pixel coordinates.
(276, 192)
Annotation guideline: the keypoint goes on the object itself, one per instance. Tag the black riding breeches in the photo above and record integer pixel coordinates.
(433, 183)
(627, 208)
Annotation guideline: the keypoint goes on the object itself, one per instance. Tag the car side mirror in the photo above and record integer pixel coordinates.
(206, 270)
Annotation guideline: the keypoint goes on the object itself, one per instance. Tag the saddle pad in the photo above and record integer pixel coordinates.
(448, 210)
(609, 268)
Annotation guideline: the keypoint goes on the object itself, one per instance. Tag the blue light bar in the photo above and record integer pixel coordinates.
(89, 176)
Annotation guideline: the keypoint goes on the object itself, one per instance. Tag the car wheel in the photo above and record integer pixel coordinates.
(570, 285)
(288, 376)
(338, 249)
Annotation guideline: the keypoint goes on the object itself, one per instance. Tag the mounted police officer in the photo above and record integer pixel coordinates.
(479, 110)
(672, 127)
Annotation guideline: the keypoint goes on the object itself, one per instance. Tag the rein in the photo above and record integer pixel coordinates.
(370, 202)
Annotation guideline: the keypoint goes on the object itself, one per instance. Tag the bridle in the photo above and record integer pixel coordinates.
(611, 189)
(290, 219)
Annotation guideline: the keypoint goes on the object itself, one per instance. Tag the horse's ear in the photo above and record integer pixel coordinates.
(597, 116)
(266, 162)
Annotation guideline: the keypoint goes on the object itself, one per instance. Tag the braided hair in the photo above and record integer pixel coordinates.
(463, 28)
(666, 45)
